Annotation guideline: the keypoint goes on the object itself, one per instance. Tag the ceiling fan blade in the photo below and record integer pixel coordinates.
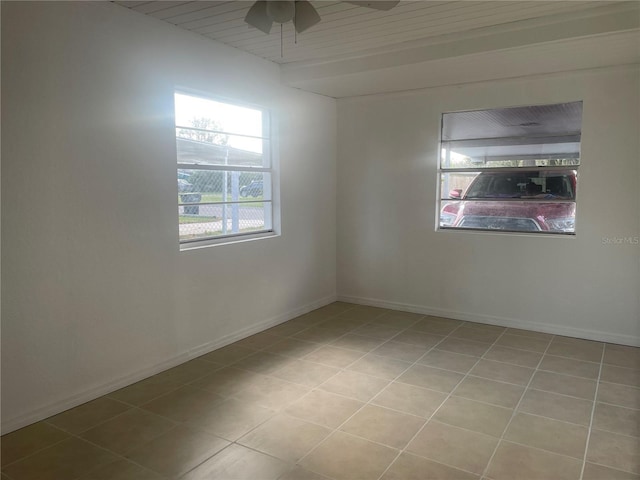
(305, 17)
(257, 17)
(375, 4)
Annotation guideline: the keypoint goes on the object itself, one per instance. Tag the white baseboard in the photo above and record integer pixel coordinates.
(14, 423)
(597, 335)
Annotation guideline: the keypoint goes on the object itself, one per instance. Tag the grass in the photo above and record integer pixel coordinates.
(182, 219)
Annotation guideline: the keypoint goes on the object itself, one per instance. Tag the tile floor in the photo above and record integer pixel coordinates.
(351, 392)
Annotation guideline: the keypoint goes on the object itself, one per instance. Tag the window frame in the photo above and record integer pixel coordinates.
(542, 170)
(272, 214)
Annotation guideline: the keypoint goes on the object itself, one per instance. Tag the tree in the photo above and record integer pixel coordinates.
(209, 136)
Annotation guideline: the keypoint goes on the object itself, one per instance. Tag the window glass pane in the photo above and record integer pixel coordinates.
(511, 169)
(523, 184)
(198, 222)
(206, 186)
(212, 115)
(514, 216)
(207, 148)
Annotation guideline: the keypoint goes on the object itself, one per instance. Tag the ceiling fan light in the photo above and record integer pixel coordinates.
(281, 11)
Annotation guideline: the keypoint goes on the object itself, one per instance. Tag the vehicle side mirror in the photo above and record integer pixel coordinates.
(455, 193)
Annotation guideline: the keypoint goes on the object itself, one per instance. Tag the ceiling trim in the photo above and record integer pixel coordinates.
(594, 22)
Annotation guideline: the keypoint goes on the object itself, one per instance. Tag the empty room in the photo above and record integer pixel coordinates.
(320, 240)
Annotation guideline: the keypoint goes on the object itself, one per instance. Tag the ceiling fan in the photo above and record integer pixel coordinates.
(263, 13)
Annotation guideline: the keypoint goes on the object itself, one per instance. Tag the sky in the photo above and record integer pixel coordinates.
(232, 119)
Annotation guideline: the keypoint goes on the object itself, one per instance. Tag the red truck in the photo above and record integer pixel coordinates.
(541, 200)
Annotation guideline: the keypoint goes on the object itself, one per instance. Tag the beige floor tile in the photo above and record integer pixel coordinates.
(448, 361)
(122, 470)
(529, 333)
(624, 376)
(357, 342)
(324, 408)
(384, 426)
(334, 356)
(299, 473)
(183, 404)
(305, 373)
(523, 358)
(400, 351)
(311, 318)
(232, 419)
(228, 355)
(424, 340)
(476, 416)
(145, 390)
(238, 463)
(364, 312)
(412, 467)
(599, 472)
(489, 391)
(375, 330)
(462, 346)
(613, 450)
(65, 460)
(258, 341)
(271, 393)
(622, 395)
(341, 324)
(512, 462)
(318, 335)
(335, 308)
(88, 415)
(177, 451)
(377, 366)
(564, 384)
(478, 333)
(28, 440)
(263, 362)
(292, 347)
(454, 446)
(547, 434)
(285, 437)
(128, 431)
(502, 372)
(189, 371)
(345, 457)
(558, 407)
(432, 378)
(226, 381)
(523, 343)
(577, 349)
(398, 319)
(287, 329)
(622, 356)
(568, 366)
(435, 325)
(485, 326)
(410, 399)
(355, 385)
(612, 418)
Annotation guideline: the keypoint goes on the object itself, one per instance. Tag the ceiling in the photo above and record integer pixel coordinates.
(348, 31)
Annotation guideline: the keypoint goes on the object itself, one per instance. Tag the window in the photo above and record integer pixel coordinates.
(225, 171)
(511, 169)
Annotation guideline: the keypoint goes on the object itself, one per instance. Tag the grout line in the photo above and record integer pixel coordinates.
(369, 401)
(449, 395)
(593, 413)
(515, 411)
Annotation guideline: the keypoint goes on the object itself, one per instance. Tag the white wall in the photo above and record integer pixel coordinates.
(389, 253)
(95, 291)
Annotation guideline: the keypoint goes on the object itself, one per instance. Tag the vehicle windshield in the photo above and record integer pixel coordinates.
(523, 185)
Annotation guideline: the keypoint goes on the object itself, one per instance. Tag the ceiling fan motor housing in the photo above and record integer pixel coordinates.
(281, 11)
